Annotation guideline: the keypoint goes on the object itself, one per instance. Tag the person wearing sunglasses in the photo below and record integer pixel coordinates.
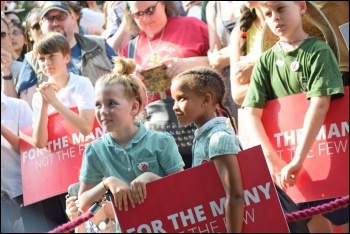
(165, 38)
(90, 56)
(9, 66)
(33, 29)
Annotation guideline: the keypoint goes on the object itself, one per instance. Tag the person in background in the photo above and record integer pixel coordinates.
(62, 91)
(92, 18)
(245, 47)
(312, 58)
(193, 8)
(162, 43)
(15, 114)
(76, 12)
(32, 27)
(126, 158)
(9, 67)
(19, 40)
(13, 15)
(222, 17)
(90, 55)
(341, 17)
(198, 94)
(116, 32)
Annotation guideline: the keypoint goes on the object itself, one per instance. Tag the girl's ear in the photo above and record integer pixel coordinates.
(135, 108)
(207, 99)
(303, 7)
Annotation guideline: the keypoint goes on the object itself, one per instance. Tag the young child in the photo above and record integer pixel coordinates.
(245, 44)
(198, 93)
(305, 64)
(62, 91)
(129, 155)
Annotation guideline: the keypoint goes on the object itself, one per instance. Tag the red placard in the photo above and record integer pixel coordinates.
(193, 201)
(327, 164)
(48, 172)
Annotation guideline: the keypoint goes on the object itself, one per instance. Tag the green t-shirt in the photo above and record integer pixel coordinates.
(147, 151)
(311, 68)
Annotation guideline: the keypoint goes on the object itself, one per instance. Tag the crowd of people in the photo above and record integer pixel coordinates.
(208, 62)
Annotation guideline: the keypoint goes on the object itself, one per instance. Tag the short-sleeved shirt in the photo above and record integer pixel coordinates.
(214, 138)
(147, 151)
(191, 39)
(311, 68)
(79, 93)
(15, 114)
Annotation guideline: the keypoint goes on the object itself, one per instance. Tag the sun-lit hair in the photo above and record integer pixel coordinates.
(204, 80)
(50, 43)
(122, 75)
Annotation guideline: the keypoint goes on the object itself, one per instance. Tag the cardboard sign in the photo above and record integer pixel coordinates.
(194, 201)
(48, 172)
(327, 164)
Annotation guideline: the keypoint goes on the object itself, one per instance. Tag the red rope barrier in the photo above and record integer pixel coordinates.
(321, 209)
(292, 217)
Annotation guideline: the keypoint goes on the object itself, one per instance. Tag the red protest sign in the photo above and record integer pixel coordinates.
(193, 201)
(48, 172)
(327, 163)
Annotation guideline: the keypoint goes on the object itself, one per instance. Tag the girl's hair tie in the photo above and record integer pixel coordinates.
(244, 35)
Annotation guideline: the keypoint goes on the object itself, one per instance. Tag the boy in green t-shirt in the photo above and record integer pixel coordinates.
(297, 63)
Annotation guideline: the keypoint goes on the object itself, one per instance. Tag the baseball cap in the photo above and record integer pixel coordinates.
(58, 5)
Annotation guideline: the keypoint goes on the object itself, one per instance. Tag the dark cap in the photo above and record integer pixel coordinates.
(57, 5)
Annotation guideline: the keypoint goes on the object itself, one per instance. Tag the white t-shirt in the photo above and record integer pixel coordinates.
(79, 92)
(15, 114)
(91, 18)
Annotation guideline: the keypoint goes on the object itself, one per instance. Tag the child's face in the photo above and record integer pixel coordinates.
(284, 17)
(112, 109)
(53, 65)
(188, 106)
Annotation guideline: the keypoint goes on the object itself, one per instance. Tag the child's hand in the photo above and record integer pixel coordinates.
(121, 192)
(138, 185)
(48, 91)
(290, 172)
(243, 70)
(72, 210)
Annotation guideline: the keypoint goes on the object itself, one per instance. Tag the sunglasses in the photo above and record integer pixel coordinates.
(149, 11)
(59, 17)
(35, 27)
(4, 34)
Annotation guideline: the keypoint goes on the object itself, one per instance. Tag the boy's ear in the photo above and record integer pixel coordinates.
(67, 58)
